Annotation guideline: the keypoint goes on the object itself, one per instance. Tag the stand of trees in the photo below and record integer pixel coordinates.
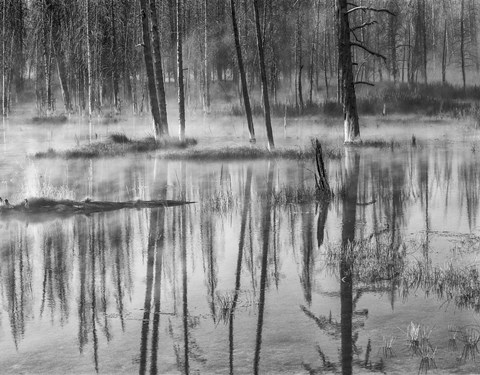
(122, 55)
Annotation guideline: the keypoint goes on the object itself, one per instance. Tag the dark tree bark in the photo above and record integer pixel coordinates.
(206, 73)
(147, 55)
(392, 36)
(162, 129)
(263, 73)
(116, 103)
(462, 43)
(181, 90)
(243, 77)
(444, 54)
(4, 50)
(349, 100)
(89, 58)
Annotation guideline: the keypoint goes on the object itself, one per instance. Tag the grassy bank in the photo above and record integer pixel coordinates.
(250, 153)
(117, 144)
(429, 100)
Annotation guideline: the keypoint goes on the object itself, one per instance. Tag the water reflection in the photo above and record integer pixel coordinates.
(216, 286)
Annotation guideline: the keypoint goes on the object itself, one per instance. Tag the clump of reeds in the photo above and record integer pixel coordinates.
(249, 153)
(119, 138)
(295, 195)
(118, 144)
(224, 303)
(54, 119)
(452, 341)
(387, 348)
(470, 338)
(427, 361)
(418, 337)
(222, 202)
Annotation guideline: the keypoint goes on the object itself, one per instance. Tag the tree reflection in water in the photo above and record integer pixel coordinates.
(114, 276)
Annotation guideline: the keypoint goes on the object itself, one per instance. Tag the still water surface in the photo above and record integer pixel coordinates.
(243, 280)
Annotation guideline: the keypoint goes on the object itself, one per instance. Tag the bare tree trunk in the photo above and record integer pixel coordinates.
(349, 100)
(444, 54)
(462, 43)
(63, 77)
(206, 77)
(4, 82)
(266, 102)
(116, 103)
(181, 93)
(424, 32)
(243, 77)
(89, 57)
(162, 105)
(393, 42)
(147, 55)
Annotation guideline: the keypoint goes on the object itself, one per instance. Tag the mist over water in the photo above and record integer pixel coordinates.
(246, 278)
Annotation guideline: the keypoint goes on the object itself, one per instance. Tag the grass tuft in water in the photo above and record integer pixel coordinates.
(248, 153)
(470, 338)
(387, 348)
(59, 119)
(119, 138)
(118, 144)
(418, 337)
(295, 195)
(427, 361)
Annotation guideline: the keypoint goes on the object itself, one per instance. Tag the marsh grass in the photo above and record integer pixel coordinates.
(248, 153)
(119, 138)
(431, 100)
(116, 145)
(224, 303)
(470, 337)
(418, 338)
(59, 119)
(387, 347)
(427, 361)
(221, 202)
(452, 341)
(295, 195)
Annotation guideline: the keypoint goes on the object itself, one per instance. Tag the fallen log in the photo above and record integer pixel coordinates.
(66, 207)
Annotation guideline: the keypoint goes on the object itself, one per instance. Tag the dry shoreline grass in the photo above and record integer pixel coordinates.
(118, 144)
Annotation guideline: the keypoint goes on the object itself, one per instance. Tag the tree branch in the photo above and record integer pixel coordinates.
(365, 48)
(365, 24)
(364, 8)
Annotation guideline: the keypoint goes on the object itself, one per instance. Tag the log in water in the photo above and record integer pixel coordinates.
(66, 207)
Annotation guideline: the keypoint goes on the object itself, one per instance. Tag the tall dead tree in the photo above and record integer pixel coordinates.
(181, 91)
(346, 77)
(243, 76)
(263, 73)
(162, 129)
(206, 73)
(462, 42)
(4, 49)
(349, 101)
(89, 58)
(147, 56)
